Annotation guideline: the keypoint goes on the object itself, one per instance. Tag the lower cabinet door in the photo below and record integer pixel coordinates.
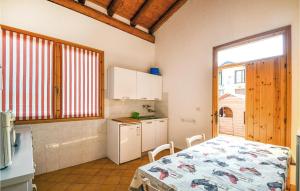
(130, 142)
(161, 133)
(148, 135)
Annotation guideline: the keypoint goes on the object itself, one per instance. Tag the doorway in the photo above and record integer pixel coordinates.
(252, 87)
(231, 99)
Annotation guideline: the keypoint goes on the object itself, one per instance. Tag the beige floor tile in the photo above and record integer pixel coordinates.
(121, 188)
(99, 175)
(92, 187)
(59, 187)
(56, 178)
(75, 187)
(83, 179)
(70, 178)
(98, 179)
(125, 180)
(112, 180)
(107, 187)
(104, 172)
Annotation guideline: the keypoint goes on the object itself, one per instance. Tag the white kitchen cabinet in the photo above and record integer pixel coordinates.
(161, 132)
(144, 86)
(149, 86)
(130, 84)
(156, 89)
(154, 133)
(122, 83)
(148, 135)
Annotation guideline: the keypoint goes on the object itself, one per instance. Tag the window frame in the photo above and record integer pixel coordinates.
(57, 81)
(220, 78)
(242, 76)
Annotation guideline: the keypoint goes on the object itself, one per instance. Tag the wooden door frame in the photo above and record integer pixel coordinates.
(286, 32)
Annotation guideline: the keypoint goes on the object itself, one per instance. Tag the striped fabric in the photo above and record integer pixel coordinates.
(27, 76)
(80, 82)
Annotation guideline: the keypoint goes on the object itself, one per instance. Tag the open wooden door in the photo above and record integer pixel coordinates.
(266, 95)
(268, 90)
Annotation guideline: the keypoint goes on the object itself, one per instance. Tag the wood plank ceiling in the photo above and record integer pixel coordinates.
(148, 14)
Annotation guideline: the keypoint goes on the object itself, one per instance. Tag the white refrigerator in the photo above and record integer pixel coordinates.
(124, 141)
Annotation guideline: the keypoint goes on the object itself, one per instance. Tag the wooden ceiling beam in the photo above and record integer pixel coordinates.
(112, 7)
(98, 3)
(139, 12)
(70, 4)
(167, 15)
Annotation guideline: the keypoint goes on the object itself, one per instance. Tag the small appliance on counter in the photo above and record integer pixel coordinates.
(8, 138)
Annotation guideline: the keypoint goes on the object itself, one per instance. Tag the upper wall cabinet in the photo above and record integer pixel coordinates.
(156, 87)
(149, 87)
(144, 86)
(122, 83)
(129, 84)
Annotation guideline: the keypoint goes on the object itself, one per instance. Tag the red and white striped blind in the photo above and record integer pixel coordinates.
(27, 76)
(80, 82)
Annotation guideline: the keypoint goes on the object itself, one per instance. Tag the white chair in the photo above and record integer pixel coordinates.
(152, 154)
(194, 138)
(147, 186)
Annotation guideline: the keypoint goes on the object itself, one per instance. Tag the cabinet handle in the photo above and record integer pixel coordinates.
(143, 98)
(138, 132)
(162, 121)
(156, 98)
(149, 122)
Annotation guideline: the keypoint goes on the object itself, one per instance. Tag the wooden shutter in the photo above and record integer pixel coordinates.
(266, 100)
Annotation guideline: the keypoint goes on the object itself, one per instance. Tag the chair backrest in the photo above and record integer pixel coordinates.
(147, 186)
(194, 138)
(152, 154)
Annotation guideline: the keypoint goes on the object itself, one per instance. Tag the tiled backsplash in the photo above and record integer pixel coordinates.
(64, 144)
(161, 107)
(124, 108)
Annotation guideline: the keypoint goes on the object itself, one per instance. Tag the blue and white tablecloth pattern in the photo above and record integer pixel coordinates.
(222, 163)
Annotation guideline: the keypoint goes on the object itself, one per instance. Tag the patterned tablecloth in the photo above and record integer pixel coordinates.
(222, 163)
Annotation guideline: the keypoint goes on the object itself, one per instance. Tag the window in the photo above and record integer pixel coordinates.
(239, 76)
(80, 87)
(267, 47)
(27, 76)
(46, 79)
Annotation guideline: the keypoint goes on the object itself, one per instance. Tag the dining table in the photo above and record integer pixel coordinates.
(221, 163)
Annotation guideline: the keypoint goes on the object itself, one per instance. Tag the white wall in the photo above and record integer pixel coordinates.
(184, 54)
(58, 145)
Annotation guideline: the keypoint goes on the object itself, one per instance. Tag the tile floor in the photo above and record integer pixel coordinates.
(99, 175)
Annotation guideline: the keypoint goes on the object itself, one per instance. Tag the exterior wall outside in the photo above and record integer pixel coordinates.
(235, 125)
(228, 85)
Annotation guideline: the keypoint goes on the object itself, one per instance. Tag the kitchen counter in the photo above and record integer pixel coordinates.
(132, 120)
(20, 173)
